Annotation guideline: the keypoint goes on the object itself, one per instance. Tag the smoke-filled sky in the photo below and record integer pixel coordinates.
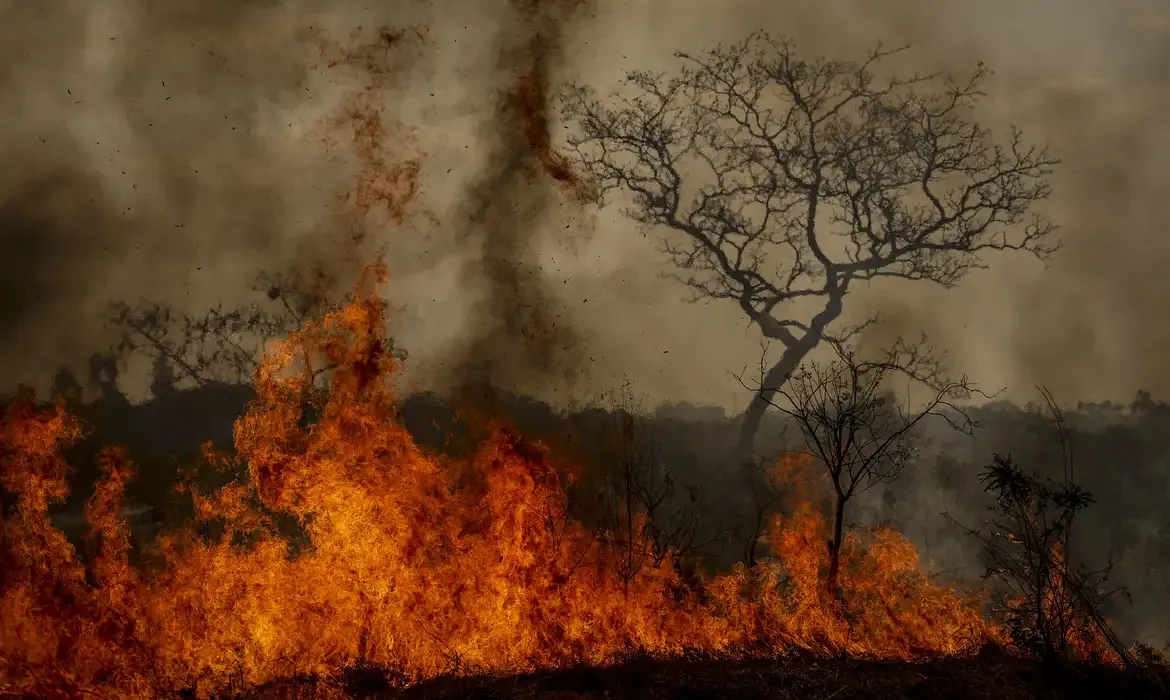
(169, 151)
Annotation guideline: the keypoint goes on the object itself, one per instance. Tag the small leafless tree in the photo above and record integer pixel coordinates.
(644, 517)
(223, 343)
(785, 182)
(863, 435)
(765, 496)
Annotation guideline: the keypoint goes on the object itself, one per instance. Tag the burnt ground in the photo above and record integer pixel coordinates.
(992, 677)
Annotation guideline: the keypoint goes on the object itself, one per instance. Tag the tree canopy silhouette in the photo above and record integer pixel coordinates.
(785, 182)
(224, 342)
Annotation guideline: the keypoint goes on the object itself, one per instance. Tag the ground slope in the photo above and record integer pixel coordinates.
(991, 677)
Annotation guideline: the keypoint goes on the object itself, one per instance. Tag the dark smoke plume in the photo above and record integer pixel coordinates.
(520, 334)
(169, 152)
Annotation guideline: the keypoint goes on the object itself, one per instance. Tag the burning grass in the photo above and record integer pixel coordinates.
(412, 562)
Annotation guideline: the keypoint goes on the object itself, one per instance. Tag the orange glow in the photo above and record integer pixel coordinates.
(414, 562)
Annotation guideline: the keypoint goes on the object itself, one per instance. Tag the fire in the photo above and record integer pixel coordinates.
(407, 560)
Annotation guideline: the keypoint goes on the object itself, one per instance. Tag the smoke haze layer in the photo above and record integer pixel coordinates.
(1087, 78)
(172, 152)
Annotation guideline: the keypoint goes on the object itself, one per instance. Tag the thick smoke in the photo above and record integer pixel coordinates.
(169, 151)
(152, 152)
(520, 335)
(172, 152)
(1089, 78)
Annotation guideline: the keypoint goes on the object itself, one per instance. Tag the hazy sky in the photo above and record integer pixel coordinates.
(170, 150)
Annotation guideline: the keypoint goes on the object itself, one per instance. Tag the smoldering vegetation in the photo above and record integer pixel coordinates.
(707, 506)
(168, 153)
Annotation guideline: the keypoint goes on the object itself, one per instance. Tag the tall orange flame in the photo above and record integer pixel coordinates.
(412, 561)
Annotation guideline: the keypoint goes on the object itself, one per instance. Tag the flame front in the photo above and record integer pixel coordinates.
(412, 562)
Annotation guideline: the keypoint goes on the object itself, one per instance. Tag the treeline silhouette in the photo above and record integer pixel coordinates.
(1122, 454)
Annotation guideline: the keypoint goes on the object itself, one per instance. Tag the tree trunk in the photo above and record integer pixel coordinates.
(835, 545)
(773, 380)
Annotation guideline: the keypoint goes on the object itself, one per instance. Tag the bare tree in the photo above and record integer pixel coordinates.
(765, 495)
(784, 182)
(859, 431)
(644, 517)
(223, 343)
